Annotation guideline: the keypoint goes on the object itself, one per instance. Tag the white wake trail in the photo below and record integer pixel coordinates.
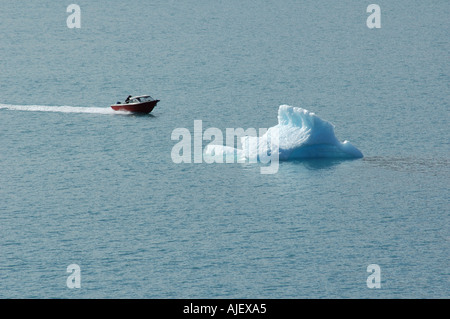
(61, 109)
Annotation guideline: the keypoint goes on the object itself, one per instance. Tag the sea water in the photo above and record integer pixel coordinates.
(81, 184)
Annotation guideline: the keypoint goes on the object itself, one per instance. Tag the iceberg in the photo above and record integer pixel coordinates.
(302, 134)
(299, 134)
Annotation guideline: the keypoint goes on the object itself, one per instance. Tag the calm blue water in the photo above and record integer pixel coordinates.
(101, 190)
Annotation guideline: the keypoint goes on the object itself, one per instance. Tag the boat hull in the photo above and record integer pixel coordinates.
(143, 108)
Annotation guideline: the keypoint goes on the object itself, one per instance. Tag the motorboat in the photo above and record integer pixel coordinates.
(136, 104)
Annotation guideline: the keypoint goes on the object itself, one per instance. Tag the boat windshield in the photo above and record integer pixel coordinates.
(141, 99)
(146, 98)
